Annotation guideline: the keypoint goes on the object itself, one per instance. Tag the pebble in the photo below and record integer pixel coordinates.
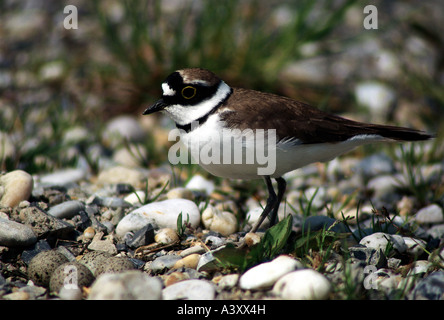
(380, 241)
(67, 209)
(127, 285)
(44, 224)
(130, 156)
(430, 215)
(43, 265)
(63, 178)
(228, 281)
(163, 263)
(315, 223)
(175, 277)
(105, 245)
(142, 237)
(377, 164)
(223, 222)
(119, 174)
(122, 128)
(252, 239)
(180, 193)
(89, 233)
(306, 284)
(15, 186)
(94, 259)
(253, 216)
(191, 250)
(190, 290)
(415, 247)
(70, 274)
(265, 275)
(430, 287)
(114, 265)
(370, 256)
(376, 96)
(199, 183)
(15, 234)
(135, 198)
(166, 236)
(191, 261)
(164, 214)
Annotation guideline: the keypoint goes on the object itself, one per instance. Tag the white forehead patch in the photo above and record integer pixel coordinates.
(167, 91)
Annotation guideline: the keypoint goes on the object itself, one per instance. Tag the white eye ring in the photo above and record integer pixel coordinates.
(189, 96)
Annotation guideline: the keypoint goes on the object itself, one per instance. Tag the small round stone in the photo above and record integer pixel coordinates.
(175, 277)
(164, 214)
(430, 214)
(43, 265)
(304, 284)
(70, 275)
(15, 234)
(189, 261)
(89, 233)
(266, 274)
(223, 222)
(115, 265)
(166, 236)
(15, 186)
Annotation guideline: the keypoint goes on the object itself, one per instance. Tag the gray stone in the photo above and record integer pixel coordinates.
(370, 256)
(316, 223)
(164, 262)
(376, 164)
(430, 288)
(14, 234)
(67, 209)
(44, 224)
(429, 215)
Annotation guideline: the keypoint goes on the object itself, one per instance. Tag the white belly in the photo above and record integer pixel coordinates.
(252, 155)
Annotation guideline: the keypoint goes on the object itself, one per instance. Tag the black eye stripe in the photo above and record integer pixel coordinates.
(189, 92)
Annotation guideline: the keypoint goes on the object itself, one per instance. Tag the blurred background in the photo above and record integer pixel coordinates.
(60, 88)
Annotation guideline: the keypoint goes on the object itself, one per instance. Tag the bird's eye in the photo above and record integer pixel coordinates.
(188, 92)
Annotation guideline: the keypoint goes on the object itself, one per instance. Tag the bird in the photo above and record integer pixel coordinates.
(216, 122)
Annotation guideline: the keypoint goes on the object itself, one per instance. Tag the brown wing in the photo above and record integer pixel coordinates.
(293, 119)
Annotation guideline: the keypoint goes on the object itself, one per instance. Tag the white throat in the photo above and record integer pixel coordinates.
(183, 115)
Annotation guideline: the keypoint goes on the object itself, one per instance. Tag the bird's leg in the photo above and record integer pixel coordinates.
(282, 185)
(271, 203)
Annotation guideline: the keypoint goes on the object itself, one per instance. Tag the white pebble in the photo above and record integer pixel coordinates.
(190, 290)
(381, 240)
(166, 236)
(304, 284)
(15, 186)
(430, 214)
(198, 182)
(164, 214)
(223, 222)
(266, 274)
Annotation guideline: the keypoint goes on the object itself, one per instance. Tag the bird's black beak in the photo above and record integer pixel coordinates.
(158, 106)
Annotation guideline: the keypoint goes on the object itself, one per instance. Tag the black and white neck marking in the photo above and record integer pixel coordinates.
(184, 115)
